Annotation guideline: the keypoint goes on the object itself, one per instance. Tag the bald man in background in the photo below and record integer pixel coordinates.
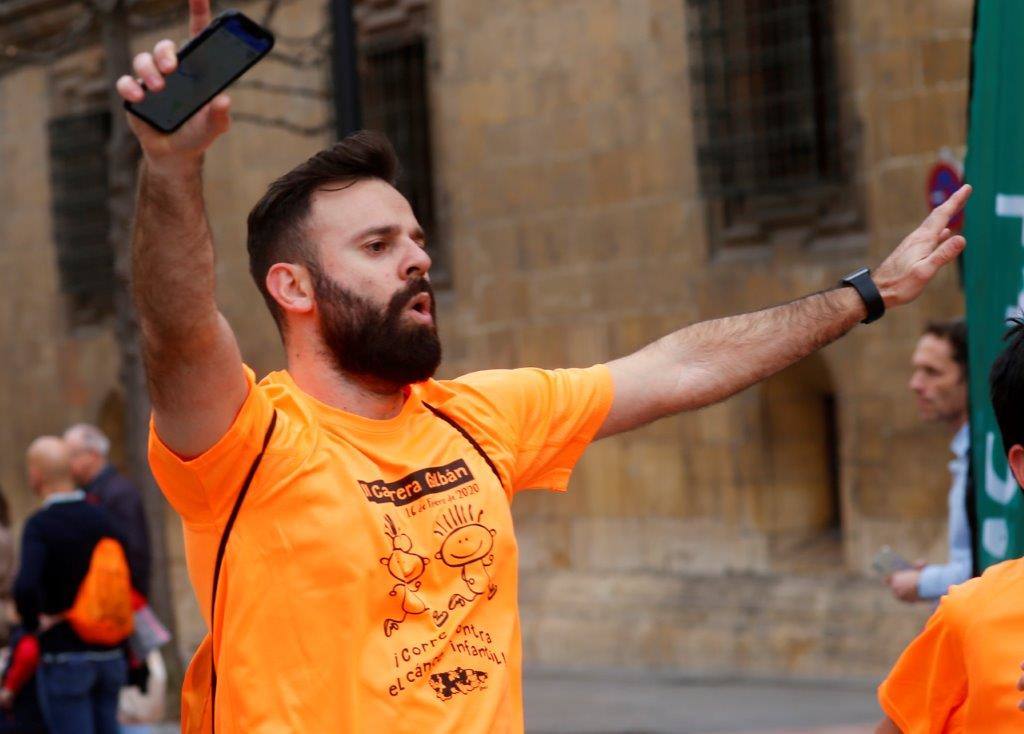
(78, 681)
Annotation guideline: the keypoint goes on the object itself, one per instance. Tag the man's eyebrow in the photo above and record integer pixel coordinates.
(390, 230)
(387, 230)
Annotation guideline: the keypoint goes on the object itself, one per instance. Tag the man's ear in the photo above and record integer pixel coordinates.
(292, 287)
(1015, 457)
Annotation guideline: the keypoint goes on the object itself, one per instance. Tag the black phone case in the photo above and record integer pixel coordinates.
(185, 50)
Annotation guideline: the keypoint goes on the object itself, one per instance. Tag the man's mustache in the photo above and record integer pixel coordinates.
(414, 288)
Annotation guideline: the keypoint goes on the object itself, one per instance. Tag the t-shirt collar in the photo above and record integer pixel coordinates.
(961, 441)
(57, 498)
(430, 390)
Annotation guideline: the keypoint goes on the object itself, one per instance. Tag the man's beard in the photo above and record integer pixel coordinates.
(385, 345)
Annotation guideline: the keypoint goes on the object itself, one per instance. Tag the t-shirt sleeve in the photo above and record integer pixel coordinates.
(928, 684)
(546, 418)
(203, 489)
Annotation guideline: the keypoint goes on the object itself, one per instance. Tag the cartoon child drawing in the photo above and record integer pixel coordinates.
(406, 567)
(467, 545)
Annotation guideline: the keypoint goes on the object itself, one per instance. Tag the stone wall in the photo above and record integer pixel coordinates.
(569, 202)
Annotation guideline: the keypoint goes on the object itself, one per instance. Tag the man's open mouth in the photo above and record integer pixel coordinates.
(421, 303)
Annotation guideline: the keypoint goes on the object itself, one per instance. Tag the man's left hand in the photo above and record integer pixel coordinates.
(923, 252)
(904, 585)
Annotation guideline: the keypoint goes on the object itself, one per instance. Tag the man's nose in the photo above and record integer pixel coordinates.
(417, 262)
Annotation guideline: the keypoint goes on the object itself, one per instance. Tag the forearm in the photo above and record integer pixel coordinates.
(710, 361)
(707, 362)
(172, 257)
(936, 579)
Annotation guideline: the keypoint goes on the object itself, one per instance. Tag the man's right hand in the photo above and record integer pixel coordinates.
(185, 147)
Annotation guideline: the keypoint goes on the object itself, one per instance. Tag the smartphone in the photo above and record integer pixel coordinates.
(207, 64)
(887, 562)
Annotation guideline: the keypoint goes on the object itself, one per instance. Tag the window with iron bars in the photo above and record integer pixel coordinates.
(767, 115)
(81, 217)
(395, 101)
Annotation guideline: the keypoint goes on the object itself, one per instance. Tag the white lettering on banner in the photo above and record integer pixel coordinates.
(995, 536)
(999, 489)
(1011, 206)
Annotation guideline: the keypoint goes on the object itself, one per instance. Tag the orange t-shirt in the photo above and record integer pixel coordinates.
(960, 674)
(370, 581)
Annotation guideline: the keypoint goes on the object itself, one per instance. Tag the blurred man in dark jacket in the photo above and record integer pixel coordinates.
(78, 680)
(118, 495)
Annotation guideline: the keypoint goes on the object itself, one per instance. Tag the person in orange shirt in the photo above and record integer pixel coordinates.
(959, 674)
(347, 520)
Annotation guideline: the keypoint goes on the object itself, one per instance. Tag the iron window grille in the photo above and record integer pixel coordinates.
(767, 112)
(81, 217)
(395, 101)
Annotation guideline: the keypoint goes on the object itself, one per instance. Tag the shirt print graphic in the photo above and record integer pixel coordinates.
(446, 501)
(466, 545)
(406, 567)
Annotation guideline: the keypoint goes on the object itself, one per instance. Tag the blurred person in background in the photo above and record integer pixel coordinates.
(78, 681)
(142, 706)
(960, 674)
(939, 380)
(7, 564)
(117, 494)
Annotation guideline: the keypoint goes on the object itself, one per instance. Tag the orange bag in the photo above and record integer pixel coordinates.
(102, 612)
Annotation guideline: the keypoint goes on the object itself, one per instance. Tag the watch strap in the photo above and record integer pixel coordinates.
(862, 282)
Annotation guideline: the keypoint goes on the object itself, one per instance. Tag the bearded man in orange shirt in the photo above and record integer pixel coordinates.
(370, 579)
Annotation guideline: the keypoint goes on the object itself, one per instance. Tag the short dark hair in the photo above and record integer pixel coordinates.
(276, 223)
(1006, 386)
(953, 331)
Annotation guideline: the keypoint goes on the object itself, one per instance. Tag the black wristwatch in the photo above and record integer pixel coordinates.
(861, 282)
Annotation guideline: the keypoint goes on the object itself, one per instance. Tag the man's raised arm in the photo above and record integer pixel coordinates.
(192, 359)
(707, 362)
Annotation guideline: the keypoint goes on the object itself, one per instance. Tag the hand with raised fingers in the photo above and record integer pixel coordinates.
(903, 275)
(185, 146)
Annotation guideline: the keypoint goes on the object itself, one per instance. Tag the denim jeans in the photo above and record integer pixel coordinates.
(78, 691)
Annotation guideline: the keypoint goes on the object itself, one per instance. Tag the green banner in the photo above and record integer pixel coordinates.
(994, 260)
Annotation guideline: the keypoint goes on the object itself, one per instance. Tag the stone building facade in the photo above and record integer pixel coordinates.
(568, 156)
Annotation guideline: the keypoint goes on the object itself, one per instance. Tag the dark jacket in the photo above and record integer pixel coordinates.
(56, 550)
(119, 496)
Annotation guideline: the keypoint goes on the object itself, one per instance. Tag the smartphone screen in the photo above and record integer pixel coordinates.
(214, 59)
